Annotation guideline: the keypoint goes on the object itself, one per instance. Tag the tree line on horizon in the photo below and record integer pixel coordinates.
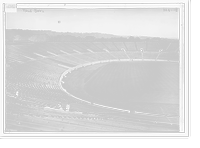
(69, 38)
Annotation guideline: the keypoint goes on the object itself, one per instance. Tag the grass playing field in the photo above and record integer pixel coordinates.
(135, 82)
(125, 84)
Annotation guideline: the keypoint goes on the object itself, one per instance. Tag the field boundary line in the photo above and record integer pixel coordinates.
(114, 108)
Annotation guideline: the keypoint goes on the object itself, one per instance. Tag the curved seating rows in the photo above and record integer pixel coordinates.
(24, 116)
(84, 51)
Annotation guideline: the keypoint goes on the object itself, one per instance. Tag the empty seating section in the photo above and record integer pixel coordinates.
(152, 46)
(39, 48)
(176, 57)
(48, 47)
(173, 46)
(120, 45)
(130, 46)
(93, 46)
(81, 47)
(47, 64)
(134, 55)
(10, 62)
(66, 46)
(35, 90)
(83, 52)
(110, 46)
(45, 72)
(106, 55)
(163, 46)
(120, 55)
(95, 56)
(100, 45)
(72, 59)
(63, 61)
(28, 51)
(84, 57)
(170, 56)
(150, 55)
(75, 47)
(59, 61)
(36, 79)
(12, 53)
(36, 68)
(19, 43)
(74, 53)
(141, 45)
(28, 116)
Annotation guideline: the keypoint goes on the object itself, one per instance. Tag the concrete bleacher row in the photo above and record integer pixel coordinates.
(77, 59)
(38, 79)
(29, 117)
(82, 52)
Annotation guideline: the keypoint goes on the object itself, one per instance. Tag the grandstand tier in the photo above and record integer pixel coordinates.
(141, 45)
(120, 55)
(93, 46)
(163, 45)
(130, 46)
(110, 46)
(24, 116)
(120, 45)
(152, 46)
(173, 46)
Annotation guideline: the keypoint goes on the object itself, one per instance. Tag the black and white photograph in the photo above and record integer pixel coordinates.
(97, 69)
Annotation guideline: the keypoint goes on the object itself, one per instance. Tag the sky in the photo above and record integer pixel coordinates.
(125, 22)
